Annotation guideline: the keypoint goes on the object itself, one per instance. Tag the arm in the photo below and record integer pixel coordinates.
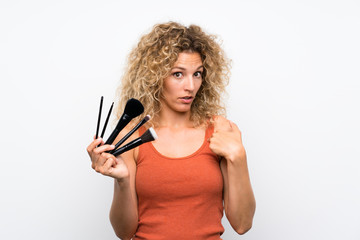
(239, 200)
(123, 212)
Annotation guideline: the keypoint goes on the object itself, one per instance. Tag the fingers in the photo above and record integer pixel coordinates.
(104, 162)
(93, 145)
(96, 152)
(103, 148)
(103, 157)
(109, 166)
(223, 137)
(99, 161)
(215, 138)
(106, 167)
(215, 143)
(92, 148)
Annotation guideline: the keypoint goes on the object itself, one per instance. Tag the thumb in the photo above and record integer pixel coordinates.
(222, 124)
(234, 127)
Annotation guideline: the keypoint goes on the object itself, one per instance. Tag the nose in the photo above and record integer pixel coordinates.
(189, 84)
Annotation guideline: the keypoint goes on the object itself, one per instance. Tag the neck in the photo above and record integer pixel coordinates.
(174, 120)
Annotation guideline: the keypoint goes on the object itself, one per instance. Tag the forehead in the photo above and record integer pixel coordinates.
(188, 59)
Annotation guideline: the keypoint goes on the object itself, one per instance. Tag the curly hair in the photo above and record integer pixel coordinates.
(150, 62)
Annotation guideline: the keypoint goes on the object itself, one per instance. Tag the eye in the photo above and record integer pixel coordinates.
(177, 74)
(198, 74)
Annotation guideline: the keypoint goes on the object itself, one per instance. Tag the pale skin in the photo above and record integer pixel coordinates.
(177, 137)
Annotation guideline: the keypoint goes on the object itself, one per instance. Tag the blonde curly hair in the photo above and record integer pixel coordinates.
(150, 62)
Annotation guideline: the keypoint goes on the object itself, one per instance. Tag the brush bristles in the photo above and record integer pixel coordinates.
(147, 118)
(133, 108)
(149, 135)
(153, 133)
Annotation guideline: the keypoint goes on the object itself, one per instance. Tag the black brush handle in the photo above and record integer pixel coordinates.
(124, 120)
(129, 146)
(128, 135)
(99, 117)
(106, 121)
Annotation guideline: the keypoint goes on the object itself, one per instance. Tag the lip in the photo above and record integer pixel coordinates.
(186, 99)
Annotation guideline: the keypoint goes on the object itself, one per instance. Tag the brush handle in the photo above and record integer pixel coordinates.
(99, 117)
(124, 120)
(106, 121)
(128, 135)
(129, 146)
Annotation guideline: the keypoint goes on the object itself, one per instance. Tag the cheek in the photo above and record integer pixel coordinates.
(172, 87)
(166, 87)
(169, 91)
(198, 85)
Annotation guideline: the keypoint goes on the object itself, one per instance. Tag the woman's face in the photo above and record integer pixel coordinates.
(184, 81)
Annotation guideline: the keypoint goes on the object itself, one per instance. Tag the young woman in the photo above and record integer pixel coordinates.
(178, 186)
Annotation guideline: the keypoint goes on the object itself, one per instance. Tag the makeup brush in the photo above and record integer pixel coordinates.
(106, 121)
(133, 108)
(99, 118)
(144, 120)
(148, 136)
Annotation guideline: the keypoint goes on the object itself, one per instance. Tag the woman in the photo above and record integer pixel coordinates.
(178, 186)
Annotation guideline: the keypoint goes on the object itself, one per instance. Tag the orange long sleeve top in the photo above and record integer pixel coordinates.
(179, 198)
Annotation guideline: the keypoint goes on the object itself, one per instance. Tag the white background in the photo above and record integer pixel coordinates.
(294, 93)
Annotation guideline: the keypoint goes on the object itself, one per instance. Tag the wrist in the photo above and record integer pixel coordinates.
(122, 181)
(236, 156)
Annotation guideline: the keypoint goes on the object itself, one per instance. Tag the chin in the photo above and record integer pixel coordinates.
(183, 109)
(179, 108)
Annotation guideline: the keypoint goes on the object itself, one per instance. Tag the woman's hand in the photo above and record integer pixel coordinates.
(226, 140)
(106, 163)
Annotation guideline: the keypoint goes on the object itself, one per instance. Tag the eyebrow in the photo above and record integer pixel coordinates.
(181, 68)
